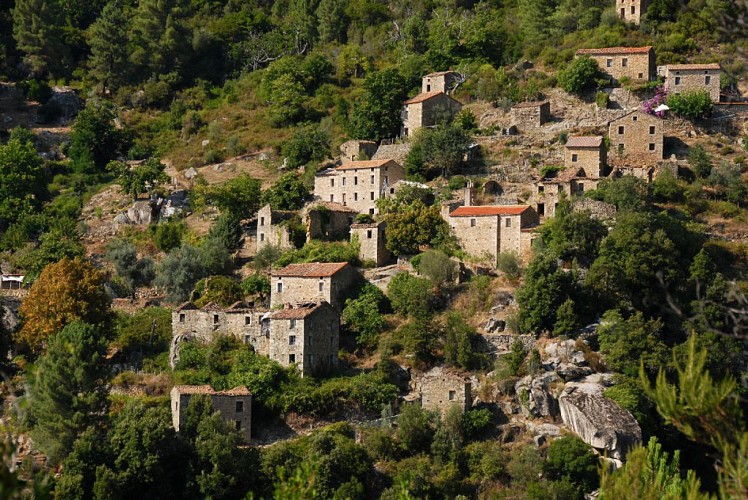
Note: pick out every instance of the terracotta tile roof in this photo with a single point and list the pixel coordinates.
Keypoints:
(297, 311)
(489, 210)
(685, 67)
(364, 164)
(615, 50)
(206, 389)
(590, 141)
(532, 104)
(211, 306)
(310, 270)
(425, 96)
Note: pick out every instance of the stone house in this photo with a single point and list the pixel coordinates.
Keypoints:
(426, 110)
(572, 181)
(313, 282)
(328, 221)
(531, 114)
(588, 153)
(306, 335)
(358, 184)
(439, 389)
(274, 228)
(372, 242)
(631, 11)
(442, 81)
(241, 320)
(356, 150)
(235, 406)
(690, 77)
(493, 229)
(637, 134)
(635, 63)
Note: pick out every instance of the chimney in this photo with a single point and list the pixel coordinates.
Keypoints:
(469, 194)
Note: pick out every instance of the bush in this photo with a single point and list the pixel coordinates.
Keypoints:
(168, 236)
(602, 99)
(222, 290)
(579, 75)
(508, 263)
(363, 316)
(411, 296)
(572, 459)
(438, 267)
(692, 105)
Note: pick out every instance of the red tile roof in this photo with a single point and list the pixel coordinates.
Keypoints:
(472, 211)
(590, 141)
(685, 67)
(532, 104)
(298, 311)
(615, 50)
(425, 96)
(310, 270)
(364, 164)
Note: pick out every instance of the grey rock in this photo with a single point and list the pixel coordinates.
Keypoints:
(537, 393)
(143, 212)
(65, 101)
(569, 371)
(577, 357)
(539, 440)
(190, 173)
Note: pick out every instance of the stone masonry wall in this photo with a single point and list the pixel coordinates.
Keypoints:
(372, 241)
(687, 80)
(592, 160)
(330, 289)
(310, 343)
(225, 404)
(631, 11)
(440, 389)
(477, 235)
(531, 114)
(639, 133)
(357, 188)
(636, 67)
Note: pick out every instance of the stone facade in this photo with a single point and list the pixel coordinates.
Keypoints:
(531, 114)
(426, 110)
(306, 335)
(271, 229)
(372, 242)
(443, 81)
(359, 184)
(588, 153)
(234, 405)
(356, 150)
(439, 389)
(329, 282)
(691, 77)
(635, 63)
(491, 230)
(637, 134)
(241, 320)
(631, 11)
(596, 209)
(328, 221)
(570, 182)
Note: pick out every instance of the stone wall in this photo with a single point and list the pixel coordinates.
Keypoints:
(502, 342)
(324, 223)
(680, 78)
(631, 11)
(270, 231)
(592, 160)
(428, 113)
(355, 150)
(634, 66)
(478, 236)
(509, 234)
(440, 389)
(597, 209)
(531, 114)
(205, 323)
(372, 242)
(332, 289)
(357, 188)
(639, 133)
(439, 82)
(236, 409)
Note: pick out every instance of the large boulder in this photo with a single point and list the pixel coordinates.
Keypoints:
(536, 395)
(144, 212)
(599, 421)
(65, 101)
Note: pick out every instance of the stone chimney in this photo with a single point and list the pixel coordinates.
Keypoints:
(469, 194)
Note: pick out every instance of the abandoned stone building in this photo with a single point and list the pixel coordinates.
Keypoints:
(439, 389)
(313, 282)
(636, 136)
(635, 63)
(357, 150)
(631, 11)
(358, 184)
(572, 181)
(531, 114)
(487, 231)
(235, 406)
(681, 78)
(587, 152)
(241, 320)
(426, 110)
(306, 335)
(442, 81)
(328, 221)
(276, 227)
(372, 242)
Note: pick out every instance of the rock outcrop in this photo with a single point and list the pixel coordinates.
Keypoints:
(536, 395)
(599, 421)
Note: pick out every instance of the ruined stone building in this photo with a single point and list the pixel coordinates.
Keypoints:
(442, 81)
(317, 281)
(235, 406)
(372, 242)
(306, 335)
(274, 227)
(572, 181)
(202, 323)
(427, 110)
(493, 229)
(439, 389)
(328, 221)
(587, 152)
(357, 150)
(681, 78)
(635, 63)
(531, 114)
(358, 184)
(636, 137)
(631, 11)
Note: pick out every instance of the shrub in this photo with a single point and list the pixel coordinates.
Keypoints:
(602, 99)
(691, 105)
(579, 75)
(410, 295)
(438, 267)
(571, 459)
(168, 236)
(508, 263)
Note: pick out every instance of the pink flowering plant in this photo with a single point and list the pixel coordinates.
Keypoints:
(652, 104)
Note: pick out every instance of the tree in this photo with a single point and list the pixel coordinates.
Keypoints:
(139, 179)
(239, 196)
(571, 458)
(39, 36)
(22, 186)
(410, 295)
(410, 224)
(629, 343)
(109, 53)
(135, 272)
(458, 342)
(437, 266)
(222, 290)
(159, 37)
(700, 161)
(67, 291)
(307, 144)
(376, 114)
(332, 20)
(414, 431)
(692, 105)
(444, 147)
(228, 230)
(184, 266)
(60, 241)
(627, 193)
(579, 75)
(727, 180)
(70, 391)
(573, 235)
(363, 316)
(567, 322)
(94, 140)
(288, 193)
(546, 287)
(666, 188)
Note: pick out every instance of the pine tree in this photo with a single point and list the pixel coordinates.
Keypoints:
(69, 393)
(38, 35)
(109, 53)
(567, 321)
